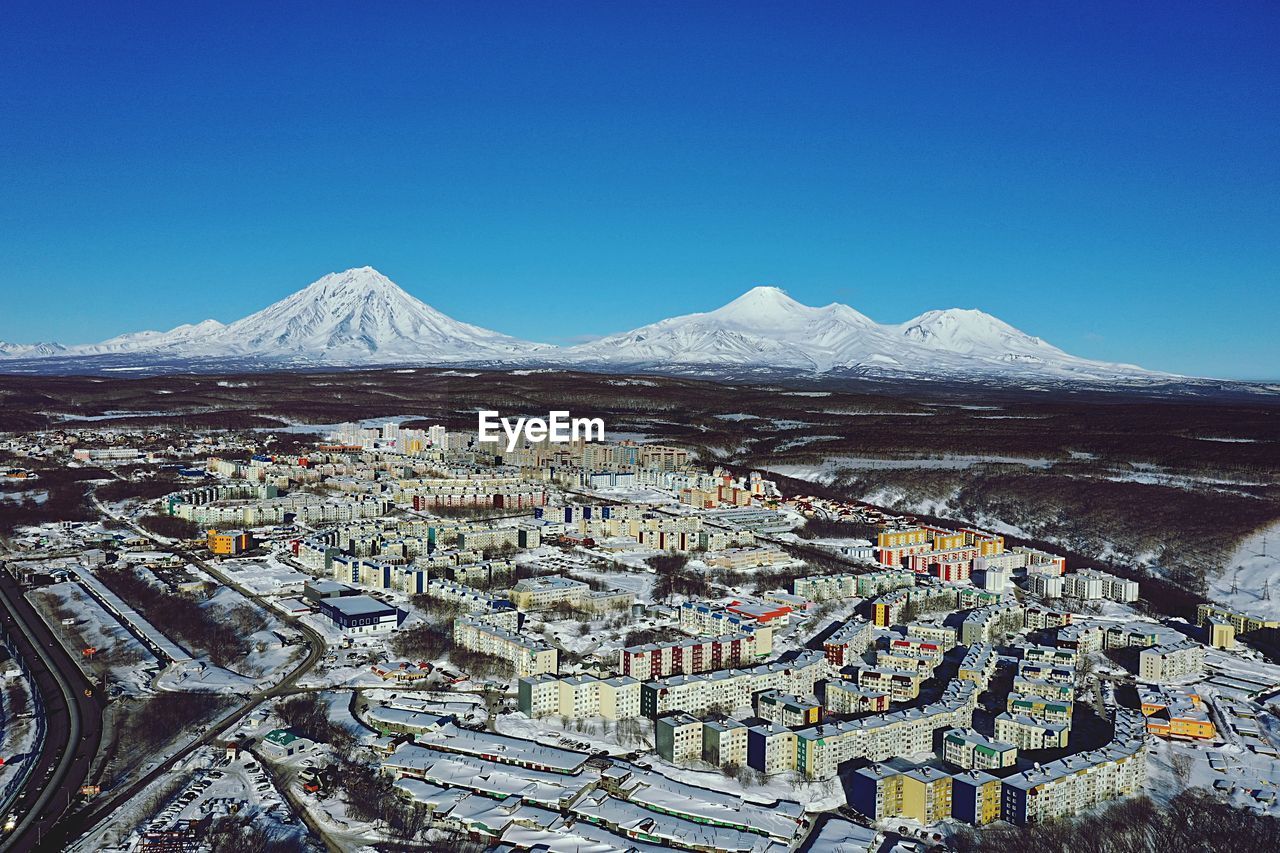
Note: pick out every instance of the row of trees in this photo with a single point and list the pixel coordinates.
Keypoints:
(220, 634)
(1194, 820)
(308, 715)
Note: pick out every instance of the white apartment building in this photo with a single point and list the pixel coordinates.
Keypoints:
(1047, 586)
(579, 696)
(902, 685)
(678, 738)
(968, 749)
(944, 636)
(1091, 584)
(988, 623)
(1171, 662)
(527, 655)
(731, 688)
(724, 743)
(542, 592)
(1026, 732)
(845, 697)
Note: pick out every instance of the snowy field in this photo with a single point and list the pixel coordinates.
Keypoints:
(1251, 581)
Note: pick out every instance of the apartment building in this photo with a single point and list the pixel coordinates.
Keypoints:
(845, 697)
(1059, 691)
(901, 685)
(906, 660)
(979, 664)
(498, 611)
(1219, 633)
(944, 636)
(1042, 618)
(1091, 584)
(702, 618)
(820, 750)
(882, 791)
(731, 688)
(1028, 733)
(1049, 655)
(1045, 672)
(1242, 621)
(1047, 585)
(1041, 708)
(975, 797)
(990, 623)
(1082, 638)
(1171, 662)
(724, 743)
(527, 655)
(1078, 782)
(1138, 635)
(579, 696)
(952, 564)
(846, 645)
(771, 748)
(678, 738)
(786, 709)
(894, 546)
(699, 654)
(968, 749)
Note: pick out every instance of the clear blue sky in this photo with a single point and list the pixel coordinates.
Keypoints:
(1106, 176)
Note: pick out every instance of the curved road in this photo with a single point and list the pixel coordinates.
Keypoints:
(73, 726)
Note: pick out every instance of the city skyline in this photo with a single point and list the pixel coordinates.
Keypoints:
(1101, 179)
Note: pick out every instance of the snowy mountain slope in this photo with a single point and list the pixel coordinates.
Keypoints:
(36, 350)
(764, 326)
(354, 317)
(767, 328)
(149, 340)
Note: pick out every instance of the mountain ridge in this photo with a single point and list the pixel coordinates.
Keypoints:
(360, 317)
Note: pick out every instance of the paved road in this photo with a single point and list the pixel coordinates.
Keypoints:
(73, 726)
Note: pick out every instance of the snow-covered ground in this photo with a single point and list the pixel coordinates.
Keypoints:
(130, 665)
(1251, 580)
(833, 467)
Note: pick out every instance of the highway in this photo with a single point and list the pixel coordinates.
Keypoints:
(73, 726)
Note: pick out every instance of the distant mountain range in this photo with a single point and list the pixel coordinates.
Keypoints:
(362, 318)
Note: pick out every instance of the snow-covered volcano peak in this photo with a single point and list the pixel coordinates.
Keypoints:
(357, 315)
(360, 281)
(968, 330)
(760, 304)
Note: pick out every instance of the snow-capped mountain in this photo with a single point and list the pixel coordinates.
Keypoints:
(349, 318)
(762, 327)
(360, 317)
(36, 350)
(767, 328)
